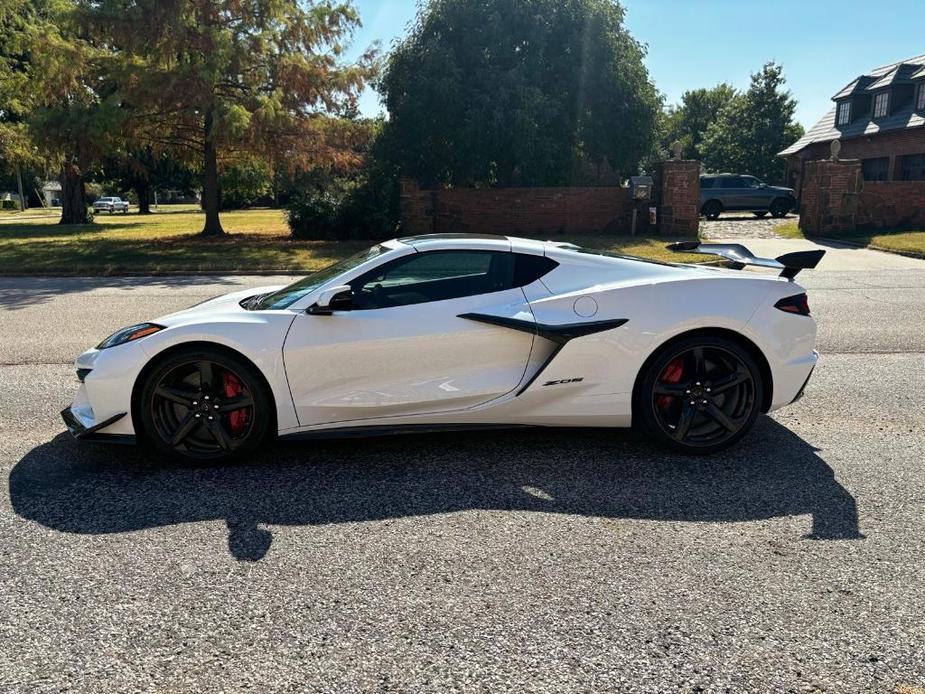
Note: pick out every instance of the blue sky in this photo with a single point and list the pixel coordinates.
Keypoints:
(822, 44)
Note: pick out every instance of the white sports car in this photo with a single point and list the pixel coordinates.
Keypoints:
(462, 331)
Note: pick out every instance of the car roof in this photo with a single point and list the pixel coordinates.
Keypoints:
(486, 242)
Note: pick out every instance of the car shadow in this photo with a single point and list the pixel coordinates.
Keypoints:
(91, 488)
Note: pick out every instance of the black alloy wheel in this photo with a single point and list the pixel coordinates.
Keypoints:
(712, 210)
(701, 395)
(204, 405)
(780, 208)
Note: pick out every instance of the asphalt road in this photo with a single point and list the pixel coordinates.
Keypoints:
(531, 560)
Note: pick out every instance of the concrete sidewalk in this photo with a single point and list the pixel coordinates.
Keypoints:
(838, 257)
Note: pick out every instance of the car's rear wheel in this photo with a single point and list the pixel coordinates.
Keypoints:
(780, 208)
(205, 404)
(700, 395)
(712, 210)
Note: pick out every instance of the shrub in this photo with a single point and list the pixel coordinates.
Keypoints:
(10, 204)
(360, 205)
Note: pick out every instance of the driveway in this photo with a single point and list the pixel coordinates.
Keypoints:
(529, 560)
(743, 225)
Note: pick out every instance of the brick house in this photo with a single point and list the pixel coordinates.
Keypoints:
(879, 118)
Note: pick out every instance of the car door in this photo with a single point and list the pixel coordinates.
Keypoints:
(403, 349)
(733, 193)
(755, 194)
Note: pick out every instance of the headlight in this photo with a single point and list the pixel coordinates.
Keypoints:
(133, 332)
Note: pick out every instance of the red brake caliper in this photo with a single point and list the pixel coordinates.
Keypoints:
(672, 374)
(232, 387)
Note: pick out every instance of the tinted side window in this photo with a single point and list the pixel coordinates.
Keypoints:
(706, 182)
(750, 182)
(529, 268)
(433, 276)
(731, 182)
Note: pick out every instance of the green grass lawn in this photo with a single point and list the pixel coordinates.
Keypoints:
(898, 241)
(168, 241)
(790, 230)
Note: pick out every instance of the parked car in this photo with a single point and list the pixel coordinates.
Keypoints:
(110, 205)
(727, 192)
(452, 331)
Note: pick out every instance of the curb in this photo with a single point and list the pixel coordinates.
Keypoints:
(853, 244)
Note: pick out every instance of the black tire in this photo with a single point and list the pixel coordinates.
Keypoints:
(699, 395)
(760, 213)
(780, 208)
(186, 406)
(712, 209)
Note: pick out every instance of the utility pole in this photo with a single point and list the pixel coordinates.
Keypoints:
(23, 203)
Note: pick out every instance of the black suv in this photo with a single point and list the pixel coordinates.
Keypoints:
(727, 192)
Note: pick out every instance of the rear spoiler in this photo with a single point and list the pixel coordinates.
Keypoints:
(789, 264)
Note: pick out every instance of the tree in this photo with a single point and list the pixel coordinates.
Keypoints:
(17, 150)
(499, 92)
(63, 94)
(214, 81)
(688, 122)
(753, 128)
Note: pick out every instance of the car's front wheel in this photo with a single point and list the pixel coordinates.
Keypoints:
(204, 404)
(700, 395)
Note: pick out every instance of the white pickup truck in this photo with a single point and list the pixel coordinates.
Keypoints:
(110, 205)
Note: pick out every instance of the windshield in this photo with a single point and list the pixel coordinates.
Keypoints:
(287, 296)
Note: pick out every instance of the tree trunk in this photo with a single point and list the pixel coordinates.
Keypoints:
(23, 203)
(210, 192)
(73, 196)
(143, 191)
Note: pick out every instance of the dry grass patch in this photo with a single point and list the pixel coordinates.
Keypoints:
(912, 242)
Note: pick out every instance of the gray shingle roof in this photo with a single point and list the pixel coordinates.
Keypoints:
(900, 72)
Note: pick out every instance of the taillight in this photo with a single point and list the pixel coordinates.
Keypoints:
(798, 304)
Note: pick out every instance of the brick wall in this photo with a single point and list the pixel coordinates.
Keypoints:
(515, 210)
(677, 186)
(830, 196)
(891, 205)
(551, 210)
(836, 199)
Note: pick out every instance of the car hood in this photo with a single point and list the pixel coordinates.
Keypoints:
(226, 303)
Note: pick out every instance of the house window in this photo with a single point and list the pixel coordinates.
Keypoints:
(881, 104)
(920, 98)
(876, 169)
(913, 167)
(844, 113)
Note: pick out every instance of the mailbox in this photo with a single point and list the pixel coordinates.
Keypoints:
(641, 187)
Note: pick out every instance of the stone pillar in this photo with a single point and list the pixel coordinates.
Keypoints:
(829, 202)
(677, 197)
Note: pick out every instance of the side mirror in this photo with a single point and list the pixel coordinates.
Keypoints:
(333, 299)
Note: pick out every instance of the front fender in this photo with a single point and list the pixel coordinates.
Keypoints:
(258, 336)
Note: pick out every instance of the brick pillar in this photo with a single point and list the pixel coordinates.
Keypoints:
(417, 209)
(677, 196)
(830, 192)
